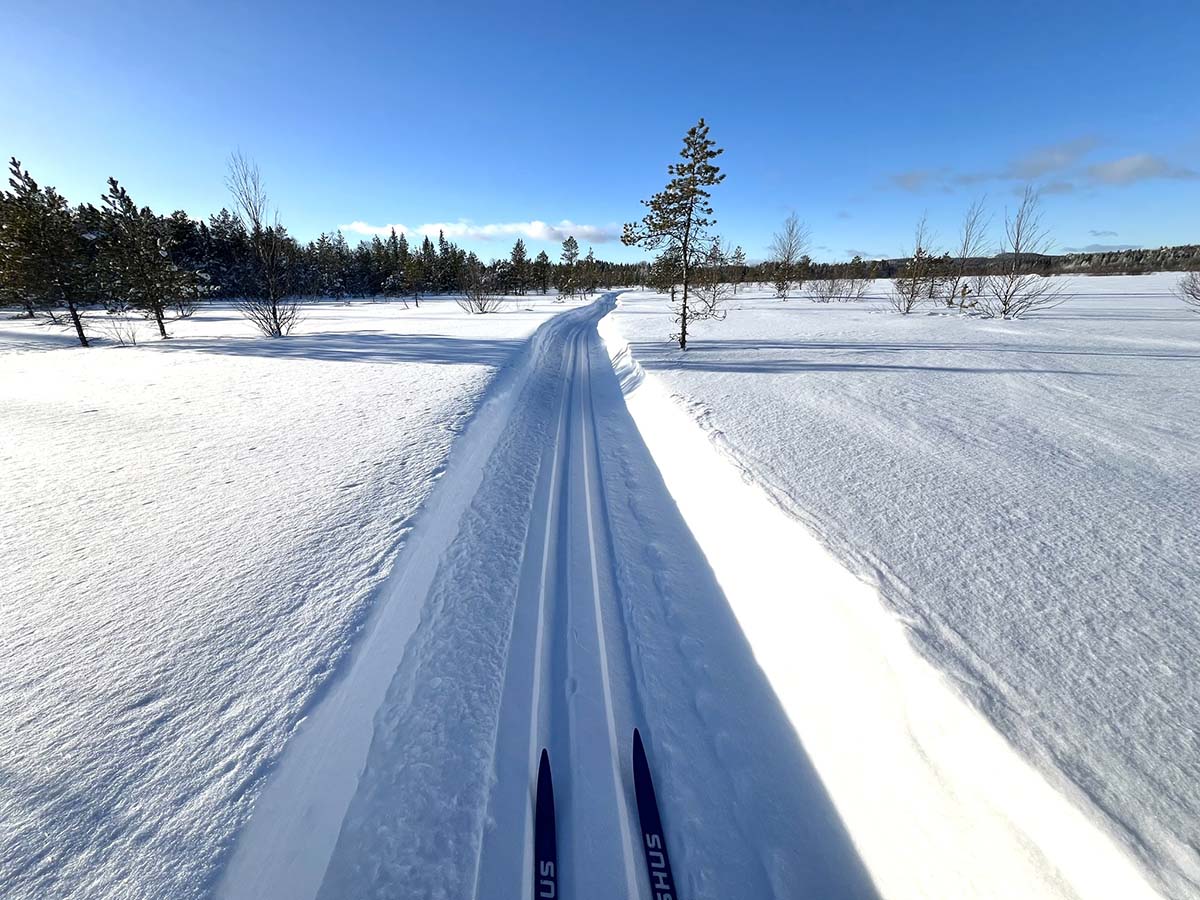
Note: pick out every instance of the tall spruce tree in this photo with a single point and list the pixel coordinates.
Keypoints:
(678, 220)
(519, 259)
(568, 259)
(541, 272)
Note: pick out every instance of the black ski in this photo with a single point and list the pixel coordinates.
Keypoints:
(545, 840)
(654, 842)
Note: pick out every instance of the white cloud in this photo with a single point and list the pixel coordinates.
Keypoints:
(467, 230)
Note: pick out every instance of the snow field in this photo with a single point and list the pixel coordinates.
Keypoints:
(192, 533)
(1021, 499)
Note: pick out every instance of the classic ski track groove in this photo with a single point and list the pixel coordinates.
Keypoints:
(569, 703)
(587, 447)
(539, 640)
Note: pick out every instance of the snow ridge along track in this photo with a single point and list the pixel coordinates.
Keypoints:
(570, 604)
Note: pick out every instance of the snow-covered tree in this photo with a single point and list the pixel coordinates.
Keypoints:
(678, 218)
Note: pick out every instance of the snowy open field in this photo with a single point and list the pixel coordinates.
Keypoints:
(268, 637)
(1024, 496)
(191, 532)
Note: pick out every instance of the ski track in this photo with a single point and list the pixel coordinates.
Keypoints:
(572, 605)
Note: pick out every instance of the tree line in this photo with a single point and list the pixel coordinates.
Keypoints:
(57, 260)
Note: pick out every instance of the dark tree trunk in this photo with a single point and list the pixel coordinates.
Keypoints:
(158, 317)
(83, 341)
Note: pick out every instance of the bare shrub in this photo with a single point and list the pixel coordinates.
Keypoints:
(826, 290)
(786, 250)
(120, 325)
(972, 237)
(1188, 290)
(481, 292)
(1017, 290)
(916, 280)
(711, 284)
(270, 302)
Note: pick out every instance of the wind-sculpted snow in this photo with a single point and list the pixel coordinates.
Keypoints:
(1026, 497)
(191, 535)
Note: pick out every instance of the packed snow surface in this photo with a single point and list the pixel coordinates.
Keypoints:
(191, 534)
(1024, 496)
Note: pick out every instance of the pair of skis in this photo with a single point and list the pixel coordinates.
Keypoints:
(654, 842)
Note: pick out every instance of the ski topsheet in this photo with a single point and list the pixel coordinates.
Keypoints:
(545, 841)
(654, 842)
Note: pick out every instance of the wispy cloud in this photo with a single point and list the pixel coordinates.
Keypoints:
(1139, 167)
(1101, 248)
(865, 254)
(467, 230)
(1101, 233)
(1054, 187)
(912, 181)
(1054, 168)
(1050, 158)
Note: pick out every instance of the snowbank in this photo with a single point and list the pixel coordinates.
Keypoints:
(1025, 499)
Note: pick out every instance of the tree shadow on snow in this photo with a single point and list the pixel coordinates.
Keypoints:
(361, 347)
(775, 356)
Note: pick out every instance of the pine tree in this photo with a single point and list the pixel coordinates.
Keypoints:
(589, 275)
(738, 261)
(520, 267)
(678, 219)
(136, 257)
(41, 248)
(567, 285)
(541, 272)
(429, 266)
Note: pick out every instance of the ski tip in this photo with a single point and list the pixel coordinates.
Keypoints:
(544, 763)
(637, 740)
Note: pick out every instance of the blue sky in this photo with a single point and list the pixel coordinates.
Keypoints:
(857, 115)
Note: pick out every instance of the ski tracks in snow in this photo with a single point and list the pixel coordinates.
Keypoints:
(570, 605)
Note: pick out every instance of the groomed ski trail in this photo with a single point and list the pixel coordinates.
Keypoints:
(571, 605)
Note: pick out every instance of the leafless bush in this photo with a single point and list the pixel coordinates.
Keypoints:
(185, 306)
(1188, 290)
(271, 303)
(916, 281)
(847, 288)
(972, 237)
(1018, 291)
(826, 290)
(481, 293)
(786, 250)
(119, 324)
(711, 286)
